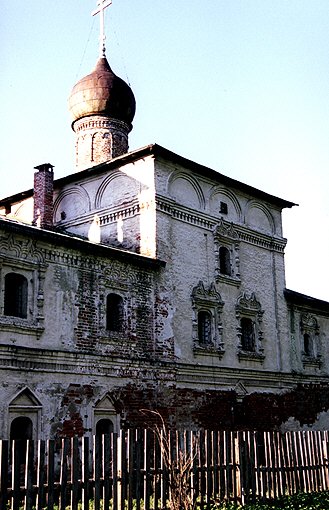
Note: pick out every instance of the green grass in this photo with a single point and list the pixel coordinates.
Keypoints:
(309, 501)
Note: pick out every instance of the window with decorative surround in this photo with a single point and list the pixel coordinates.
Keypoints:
(21, 296)
(249, 315)
(207, 328)
(310, 334)
(227, 244)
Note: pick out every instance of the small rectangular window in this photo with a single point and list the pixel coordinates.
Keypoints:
(15, 300)
(223, 208)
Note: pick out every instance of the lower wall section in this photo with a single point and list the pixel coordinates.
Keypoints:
(74, 409)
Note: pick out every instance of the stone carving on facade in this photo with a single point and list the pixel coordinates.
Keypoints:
(25, 259)
(228, 231)
(227, 245)
(207, 305)
(310, 336)
(249, 315)
(21, 249)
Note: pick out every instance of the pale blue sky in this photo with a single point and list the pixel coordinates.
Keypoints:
(239, 85)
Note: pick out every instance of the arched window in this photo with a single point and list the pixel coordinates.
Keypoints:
(114, 312)
(204, 327)
(224, 261)
(104, 426)
(15, 299)
(20, 432)
(247, 334)
(308, 347)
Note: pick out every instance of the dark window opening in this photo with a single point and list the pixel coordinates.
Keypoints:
(20, 432)
(114, 312)
(224, 261)
(223, 208)
(104, 426)
(15, 301)
(308, 345)
(204, 327)
(247, 335)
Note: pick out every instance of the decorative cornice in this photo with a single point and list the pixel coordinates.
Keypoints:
(56, 247)
(184, 213)
(127, 212)
(230, 230)
(99, 122)
(24, 249)
(262, 240)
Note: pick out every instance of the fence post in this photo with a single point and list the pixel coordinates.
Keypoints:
(63, 474)
(16, 474)
(29, 475)
(4, 452)
(120, 438)
(85, 473)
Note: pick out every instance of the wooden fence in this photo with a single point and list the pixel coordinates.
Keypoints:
(143, 470)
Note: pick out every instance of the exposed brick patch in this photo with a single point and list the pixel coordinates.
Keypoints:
(220, 410)
(87, 329)
(43, 206)
(73, 426)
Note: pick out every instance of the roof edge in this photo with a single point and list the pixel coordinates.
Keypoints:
(74, 242)
(157, 150)
(302, 299)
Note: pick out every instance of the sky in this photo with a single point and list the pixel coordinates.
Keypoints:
(241, 86)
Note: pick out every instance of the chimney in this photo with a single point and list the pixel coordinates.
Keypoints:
(43, 196)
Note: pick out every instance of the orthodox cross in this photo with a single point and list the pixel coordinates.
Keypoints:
(101, 6)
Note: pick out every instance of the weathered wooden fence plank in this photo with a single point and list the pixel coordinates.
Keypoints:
(50, 462)
(147, 462)
(64, 474)
(28, 482)
(139, 459)
(115, 469)
(4, 474)
(75, 464)
(107, 465)
(85, 475)
(16, 467)
(143, 469)
(40, 487)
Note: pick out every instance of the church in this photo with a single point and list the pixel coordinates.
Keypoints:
(147, 281)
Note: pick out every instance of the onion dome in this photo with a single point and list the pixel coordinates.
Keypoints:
(102, 93)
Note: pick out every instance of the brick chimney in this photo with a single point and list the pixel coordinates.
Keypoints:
(43, 196)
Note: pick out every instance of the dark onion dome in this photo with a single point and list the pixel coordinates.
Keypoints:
(102, 93)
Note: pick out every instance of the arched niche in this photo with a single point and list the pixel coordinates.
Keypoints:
(186, 191)
(71, 204)
(104, 413)
(224, 203)
(258, 217)
(116, 189)
(25, 407)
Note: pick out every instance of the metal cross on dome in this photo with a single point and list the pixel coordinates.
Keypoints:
(101, 6)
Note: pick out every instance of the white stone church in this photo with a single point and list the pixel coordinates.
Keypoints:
(144, 280)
